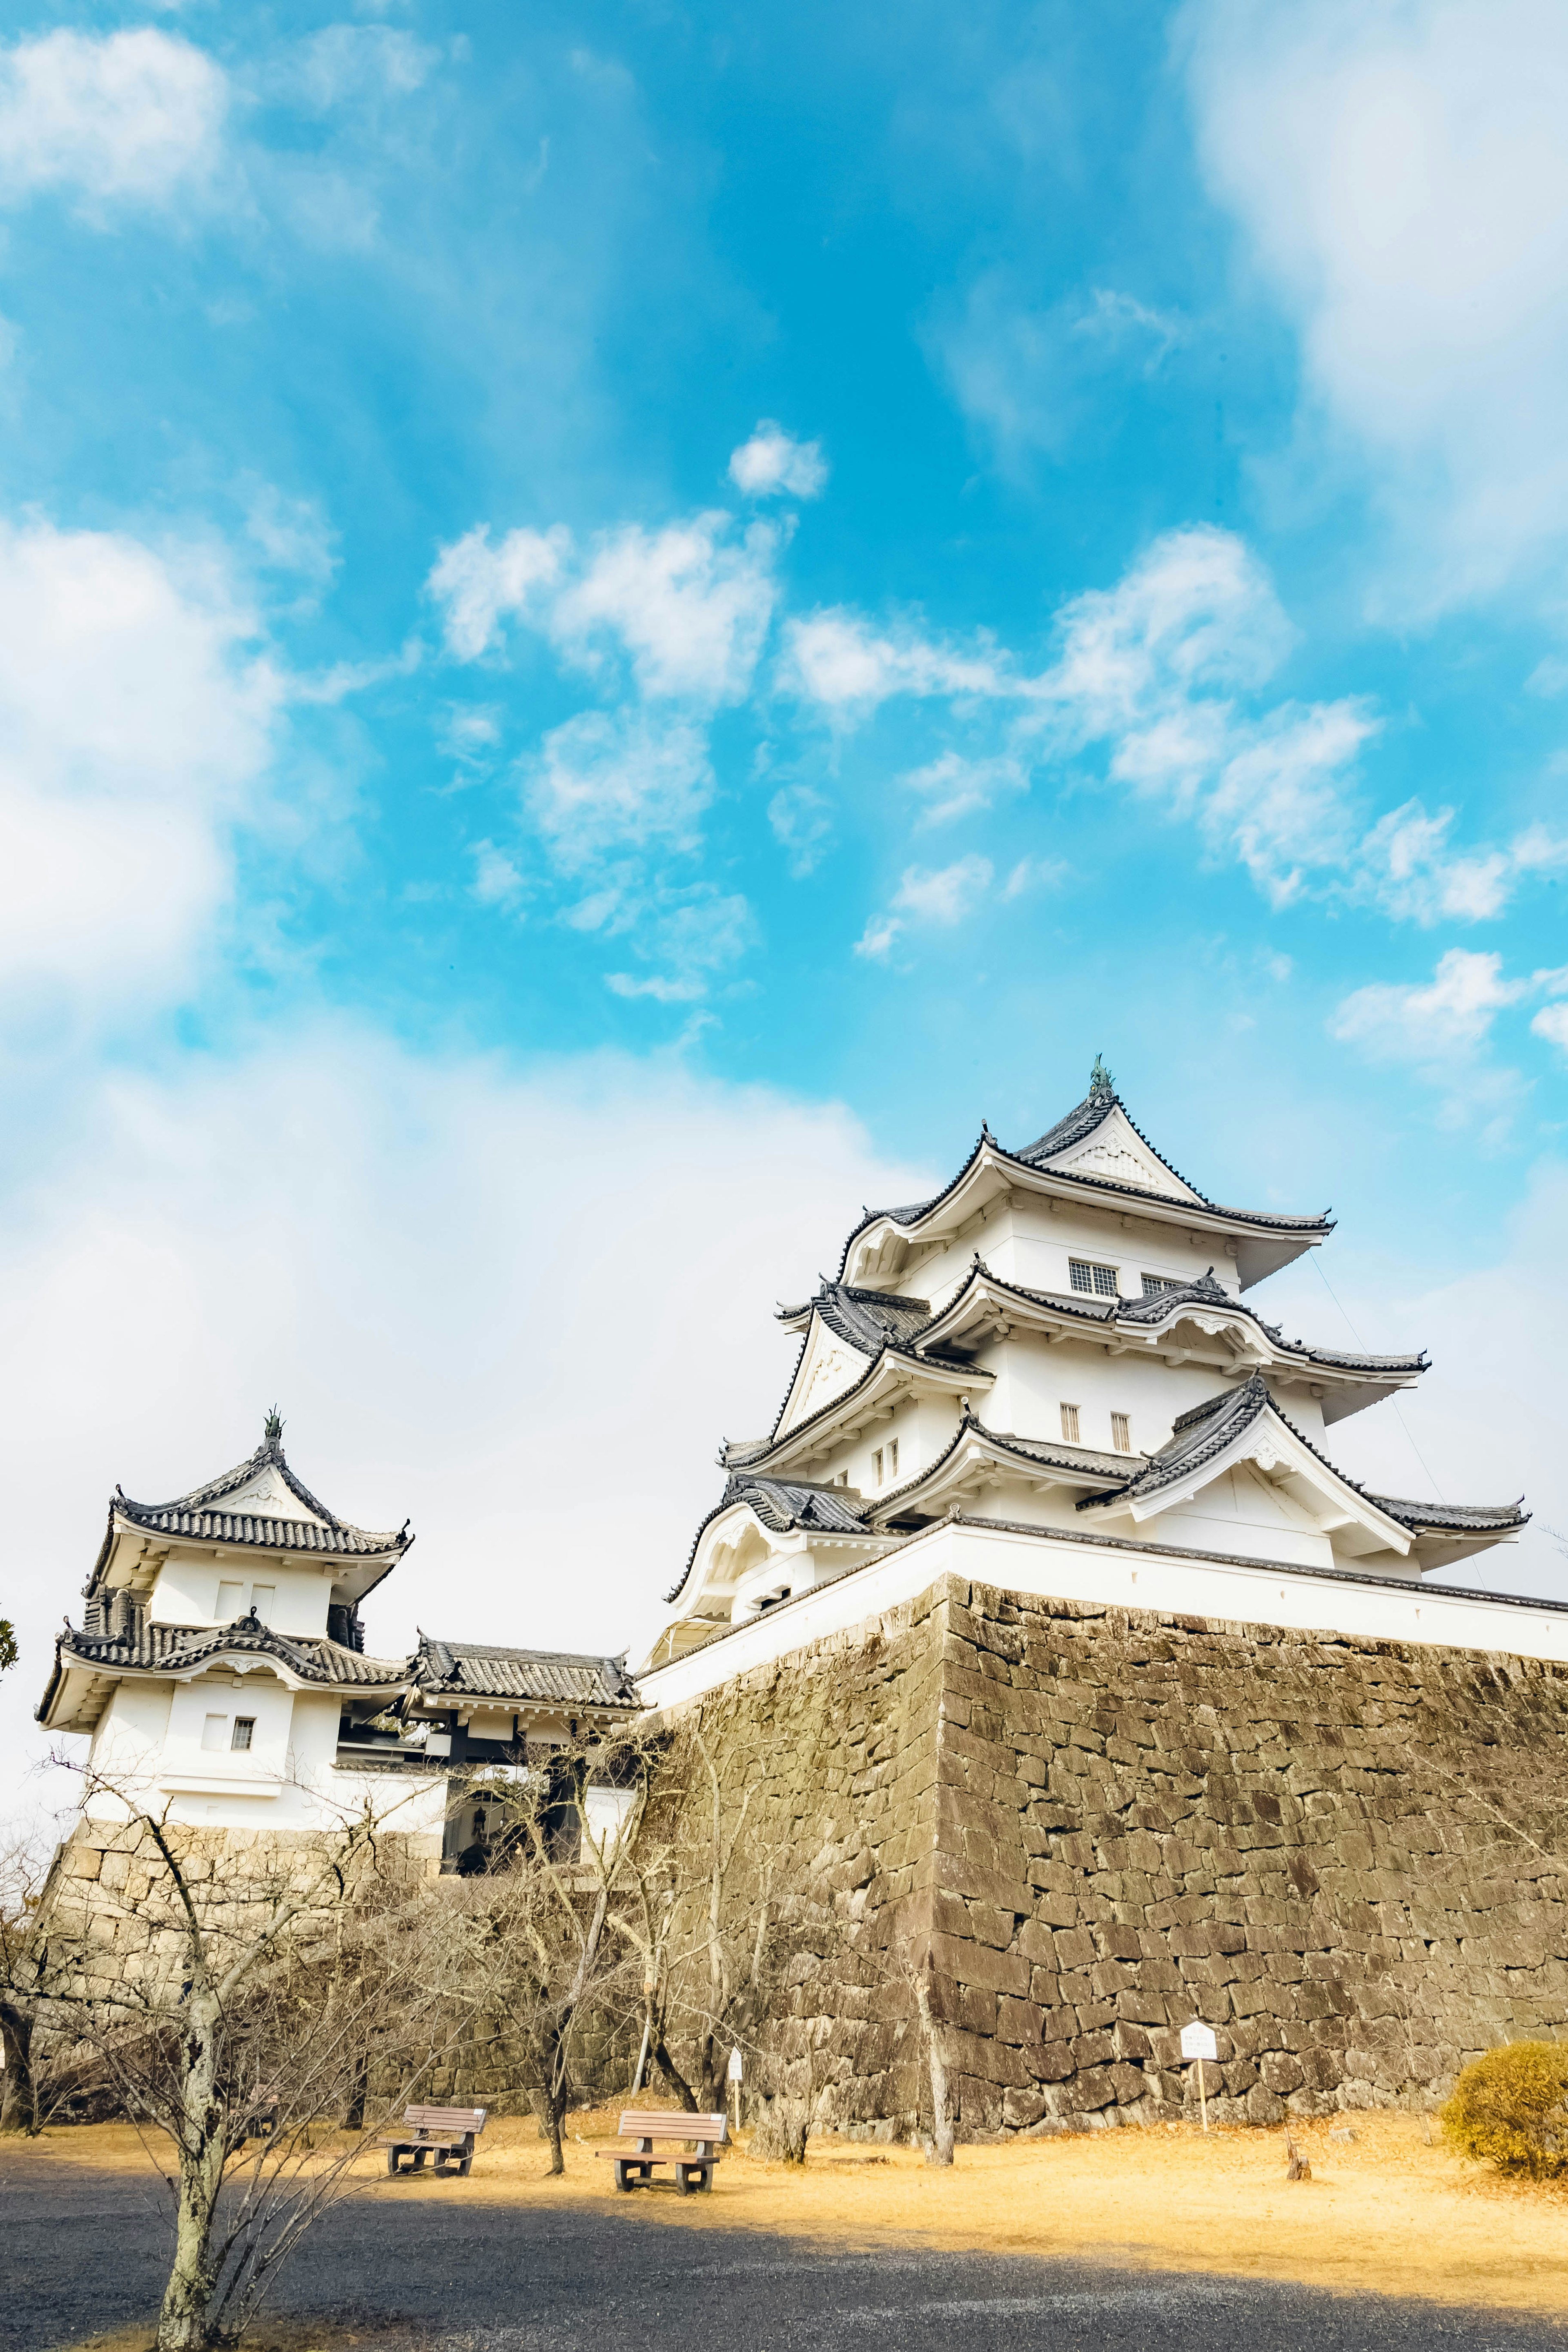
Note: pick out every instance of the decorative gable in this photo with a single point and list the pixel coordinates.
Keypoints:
(270, 1495)
(1116, 1153)
(827, 1368)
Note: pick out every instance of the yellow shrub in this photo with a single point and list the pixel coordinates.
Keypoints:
(1511, 2109)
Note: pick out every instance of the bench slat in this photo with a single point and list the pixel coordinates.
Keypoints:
(671, 2122)
(451, 2119)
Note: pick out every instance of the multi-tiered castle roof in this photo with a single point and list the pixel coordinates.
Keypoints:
(1060, 1343)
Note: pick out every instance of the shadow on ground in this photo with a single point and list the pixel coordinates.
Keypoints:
(83, 2252)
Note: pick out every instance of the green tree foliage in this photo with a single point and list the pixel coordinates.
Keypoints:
(8, 1643)
(1511, 2109)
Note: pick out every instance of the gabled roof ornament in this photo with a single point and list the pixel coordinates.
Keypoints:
(1101, 1085)
(272, 1430)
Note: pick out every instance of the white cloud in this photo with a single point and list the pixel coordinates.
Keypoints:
(1399, 173)
(612, 781)
(1427, 1023)
(498, 881)
(466, 1234)
(954, 785)
(1035, 874)
(770, 463)
(1033, 381)
(350, 62)
(290, 535)
(943, 898)
(838, 660)
(693, 935)
(1151, 667)
(128, 118)
(1195, 610)
(801, 820)
(1487, 1418)
(136, 722)
(687, 606)
(690, 606)
(1552, 1022)
(480, 585)
(1116, 318)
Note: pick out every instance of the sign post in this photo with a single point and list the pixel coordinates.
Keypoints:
(1198, 2042)
(734, 2077)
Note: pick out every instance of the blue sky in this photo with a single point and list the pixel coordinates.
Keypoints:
(724, 587)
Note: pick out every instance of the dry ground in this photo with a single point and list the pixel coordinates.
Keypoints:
(1387, 2213)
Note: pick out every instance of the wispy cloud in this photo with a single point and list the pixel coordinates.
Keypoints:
(1392, 170)
(943, 898)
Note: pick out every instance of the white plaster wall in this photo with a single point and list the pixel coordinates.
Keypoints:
(1037, 1246)
(186, 1590)
(1025, 1242)
(1240, 1511)
(129, 1740)
(1095, 1573)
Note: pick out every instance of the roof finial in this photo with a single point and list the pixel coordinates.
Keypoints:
(1101, 1081)
(272, 1427)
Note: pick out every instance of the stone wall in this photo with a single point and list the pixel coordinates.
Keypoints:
(1342, 1855)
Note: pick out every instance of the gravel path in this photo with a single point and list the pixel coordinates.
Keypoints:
(83, 2250)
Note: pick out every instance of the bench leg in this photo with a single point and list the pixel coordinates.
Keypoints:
(391, 2161)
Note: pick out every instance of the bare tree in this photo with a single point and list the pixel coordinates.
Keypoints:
(545, 1911)
(248, 1985)
(24, 1972)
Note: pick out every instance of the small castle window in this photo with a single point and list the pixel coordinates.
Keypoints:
(1156, 1284)
(230, 1602)
(1098, 1281)
(877, 1465)
(244, 1730)
(1122, 1433)
(892, 1457)
(1069, 1424)
(213, 1731)
(262, 1596)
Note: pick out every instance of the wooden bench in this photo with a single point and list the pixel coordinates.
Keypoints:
(444, 2133)
(633, 2168)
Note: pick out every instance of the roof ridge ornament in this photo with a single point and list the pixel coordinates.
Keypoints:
(273, 1432)
(1101, 1085)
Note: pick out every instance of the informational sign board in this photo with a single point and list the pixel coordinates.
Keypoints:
(736, 2064)
(1198, 2041)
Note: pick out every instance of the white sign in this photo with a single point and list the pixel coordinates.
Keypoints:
(1198, 2041)
(735, 2066)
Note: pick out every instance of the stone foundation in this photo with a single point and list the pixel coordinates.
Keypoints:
(1349, 1856)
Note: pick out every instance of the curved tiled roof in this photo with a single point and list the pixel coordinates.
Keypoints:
(1078, 1124)
(1086, 1458)
(781, 1503)
(199, 1517)
(482, 1670)
(171, 1649)
(244, 1527)
(1204, 1432)
(1148, 1312)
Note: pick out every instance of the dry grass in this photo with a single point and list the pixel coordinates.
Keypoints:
(1385, 2213)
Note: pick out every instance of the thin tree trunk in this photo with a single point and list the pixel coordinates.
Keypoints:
(672, 2073)
(941, 2113)
(183, 2322)
(20, 2105)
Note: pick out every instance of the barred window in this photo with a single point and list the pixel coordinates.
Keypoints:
(1099, 1281)
(1156, 1284)
(1069, 1424)
(1122, 1433)
(244, 1730)
(892, 1457)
